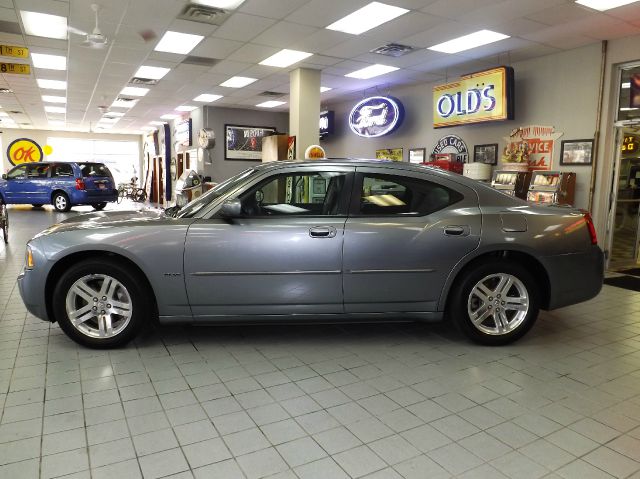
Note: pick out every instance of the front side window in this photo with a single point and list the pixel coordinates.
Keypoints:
(397, 195)
(298, 193)
(19, 172)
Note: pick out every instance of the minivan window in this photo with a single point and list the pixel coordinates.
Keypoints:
(93, 169)
(18, 172)
(37, 171)
(61, 171)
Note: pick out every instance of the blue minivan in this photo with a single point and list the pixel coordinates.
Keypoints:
(61, 184)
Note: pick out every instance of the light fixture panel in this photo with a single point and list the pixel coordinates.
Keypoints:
(152, 73)
(367, 17)
(271, 104)
(44, 25)
(238, 82)
(176, 42)
(603, 5)
(285, 58)
(134, 91)
(371, 71)
(49, 62)
(207, 98)
(467, 42)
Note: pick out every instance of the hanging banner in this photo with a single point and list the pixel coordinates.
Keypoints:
(376, 116)
(532, 145)
(475, 98)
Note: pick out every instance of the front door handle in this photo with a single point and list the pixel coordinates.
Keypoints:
(322, 232)
(456, 230)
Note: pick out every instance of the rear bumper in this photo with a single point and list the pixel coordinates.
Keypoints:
(574, 278)
(88, 197)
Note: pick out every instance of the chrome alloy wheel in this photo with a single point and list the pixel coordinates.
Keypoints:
(98, 306)
(61, 202)
(498, 304)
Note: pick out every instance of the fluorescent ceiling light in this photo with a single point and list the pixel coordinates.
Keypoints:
(113, 113)
(367, 17)
(371, 71)
(238, 82)
(51, 62)
(170, 116)
(152, 73)
(325, 88)
(271, 104)
(603, 5)
(54, 99)
(52, 84)
(186, 108)
(207, 98)
(156, 123)
(134, 91)
(176, 42)
(284, 58)
(223, 4)
(54, 109)
(124, 103)
(467, 42)
(44, 25)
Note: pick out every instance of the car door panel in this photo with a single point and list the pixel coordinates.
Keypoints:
(400, 263)
(15, 187)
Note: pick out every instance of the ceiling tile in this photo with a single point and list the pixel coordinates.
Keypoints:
(251, 53)
(283, 34)
(216, 48)
(243, 27)
(321, 13)
(277, 10)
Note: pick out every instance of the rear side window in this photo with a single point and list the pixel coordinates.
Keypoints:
(94, 169)
(61, 171)
(37, 171)
(399, 195)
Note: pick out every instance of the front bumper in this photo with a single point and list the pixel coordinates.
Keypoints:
(32, 294)
(574, 278)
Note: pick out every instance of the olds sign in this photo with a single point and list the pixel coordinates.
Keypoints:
(376, 116)
(475, 98)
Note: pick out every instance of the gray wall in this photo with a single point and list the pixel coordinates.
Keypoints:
(214, 117)
(559, 90)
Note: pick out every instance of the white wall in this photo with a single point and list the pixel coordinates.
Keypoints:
(559, 90)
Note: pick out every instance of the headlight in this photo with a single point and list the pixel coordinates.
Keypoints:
(29, 258)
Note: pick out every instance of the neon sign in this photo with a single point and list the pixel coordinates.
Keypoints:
(376, 116)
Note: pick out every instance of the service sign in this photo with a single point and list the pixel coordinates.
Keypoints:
(475, 98)
(14, 51)
(15, 68)
(376, 116)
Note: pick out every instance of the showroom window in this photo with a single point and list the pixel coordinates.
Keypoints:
(121, 157)
(309, 194)
(396, 195)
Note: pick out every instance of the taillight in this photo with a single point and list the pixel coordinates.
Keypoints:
(80, 184)
(591, 227)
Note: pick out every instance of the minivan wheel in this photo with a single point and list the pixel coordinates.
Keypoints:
(100, 304)
(61, 202)
(495, 303)
(99, 206)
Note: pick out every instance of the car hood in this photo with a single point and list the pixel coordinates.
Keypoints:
(104, 219)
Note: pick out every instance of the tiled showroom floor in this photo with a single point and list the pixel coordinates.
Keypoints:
(328, 402)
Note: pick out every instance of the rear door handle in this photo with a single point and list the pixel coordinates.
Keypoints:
(322, 232)
(456, 230)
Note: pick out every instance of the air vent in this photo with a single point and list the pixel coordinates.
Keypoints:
(6, 90)
(10, 27)
(272, 94)
(201, 61)
(143, 81)
(203, 14)
(124, 99)
(393, 50)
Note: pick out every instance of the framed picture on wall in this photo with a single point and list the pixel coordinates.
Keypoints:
(243, 142)
(417, 155)
(487, 154)
(576, 152)
(394, 154)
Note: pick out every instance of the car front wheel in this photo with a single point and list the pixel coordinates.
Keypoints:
(61, 202)
(101, 304)
(99, 206)
(496, 302)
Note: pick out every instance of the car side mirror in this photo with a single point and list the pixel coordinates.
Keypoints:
(231, 208)
(4, 176)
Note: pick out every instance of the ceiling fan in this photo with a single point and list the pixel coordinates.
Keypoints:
(95, 39)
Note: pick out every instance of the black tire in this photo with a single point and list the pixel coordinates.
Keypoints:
(511, 324)
(99, 206)
(60, 202)
(139, 302)
(37, 205)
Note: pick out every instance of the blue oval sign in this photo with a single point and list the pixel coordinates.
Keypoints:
(376, 116)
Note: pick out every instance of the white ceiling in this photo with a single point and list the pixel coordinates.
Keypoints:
(260, 28)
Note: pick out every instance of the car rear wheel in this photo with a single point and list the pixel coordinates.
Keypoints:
(495, 303)
(101, 304)
(99, 206)
(61, 202)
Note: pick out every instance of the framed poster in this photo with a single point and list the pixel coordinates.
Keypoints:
(576, 152)
(417, 155)
(243, 142)
(487, 154)
(394, 154)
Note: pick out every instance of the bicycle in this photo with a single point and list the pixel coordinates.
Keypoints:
(132, 192)
(4, 221)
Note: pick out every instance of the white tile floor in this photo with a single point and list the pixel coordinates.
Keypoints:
(327, 402)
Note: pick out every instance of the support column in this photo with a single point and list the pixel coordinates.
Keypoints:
(304, 112)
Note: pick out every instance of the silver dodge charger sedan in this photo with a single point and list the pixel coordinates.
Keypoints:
(329, 240)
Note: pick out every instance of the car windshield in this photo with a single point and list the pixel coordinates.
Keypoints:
(190, 209)
(94, 169)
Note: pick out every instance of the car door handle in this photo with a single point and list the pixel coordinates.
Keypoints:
(456, 230)
(322, 232)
